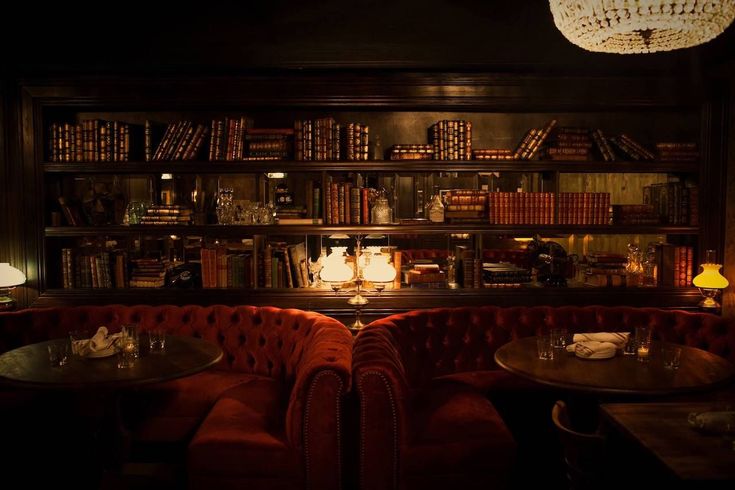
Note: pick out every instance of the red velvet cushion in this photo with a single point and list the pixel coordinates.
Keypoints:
(243, 437)
(457, 431)
(173, 411)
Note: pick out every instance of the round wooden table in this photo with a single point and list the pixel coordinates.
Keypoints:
(621, 375)
(29, 366)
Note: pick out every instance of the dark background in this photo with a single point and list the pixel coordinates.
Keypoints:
(221, 37)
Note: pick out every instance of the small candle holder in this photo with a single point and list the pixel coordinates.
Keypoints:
(643, 343)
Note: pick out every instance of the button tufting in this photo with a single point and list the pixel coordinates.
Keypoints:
(257, 320)
(242, 339)
(261, 341)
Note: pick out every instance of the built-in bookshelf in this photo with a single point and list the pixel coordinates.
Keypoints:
(512, 161)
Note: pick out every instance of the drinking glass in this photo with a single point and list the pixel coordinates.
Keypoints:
(157, 340)
(671, 356)
(131, 332)
(559, 338)
(78, 340)
(125, 353)
(545, 347)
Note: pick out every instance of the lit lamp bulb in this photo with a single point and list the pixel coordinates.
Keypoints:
(10, 277)
(710, 281)
(336, 271)
(379, 271)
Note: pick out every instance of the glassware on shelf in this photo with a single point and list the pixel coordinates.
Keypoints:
(648, 265)
(225, 207)
(435, 208)
(382, 213)
(134, 211)
(634, 266)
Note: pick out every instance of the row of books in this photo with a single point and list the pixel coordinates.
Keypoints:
(90, 269)
(90, 140)
(451, 139)
(323, 139)
(283, 266)
(674, 202)
(521, 208)
(674, 265)
(182, 140)
(221, 269)
(584, 208)
(347, 204)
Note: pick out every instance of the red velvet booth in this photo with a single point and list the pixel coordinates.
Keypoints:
(268, 416)
(423, 380)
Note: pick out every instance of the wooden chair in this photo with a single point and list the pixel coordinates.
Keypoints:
(584, 453)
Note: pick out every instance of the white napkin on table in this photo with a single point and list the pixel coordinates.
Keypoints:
(100, 341)
(593, 349)
(617, 338)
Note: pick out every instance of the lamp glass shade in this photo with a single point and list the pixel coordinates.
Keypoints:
(379, 269)
(10, 276)
(710, 277)
(335, 267)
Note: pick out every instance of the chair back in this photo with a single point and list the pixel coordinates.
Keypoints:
(584, 453)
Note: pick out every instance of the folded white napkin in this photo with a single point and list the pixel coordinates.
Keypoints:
(100, 341)
(593, 349)
(617, 338)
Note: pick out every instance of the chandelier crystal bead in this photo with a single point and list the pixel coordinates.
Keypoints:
(641, 26)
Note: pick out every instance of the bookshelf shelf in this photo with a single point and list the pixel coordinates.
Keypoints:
(201, 167)
(384, 302)
(234, 231)
(401, 108)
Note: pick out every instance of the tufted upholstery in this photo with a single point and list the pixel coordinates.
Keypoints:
(296, 363)
(403, 360)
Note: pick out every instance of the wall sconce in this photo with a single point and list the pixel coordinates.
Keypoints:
(710, 281)
(10, 277)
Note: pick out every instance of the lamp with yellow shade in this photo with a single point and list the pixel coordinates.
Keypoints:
(10, 277)
(710, 282)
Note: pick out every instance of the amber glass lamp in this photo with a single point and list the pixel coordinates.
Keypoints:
(10, 277)
(710, 282)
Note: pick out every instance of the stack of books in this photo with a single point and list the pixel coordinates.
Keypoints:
(677, 151)
(268, 144)
(412, 152)
(503, 274)
(425, 274)
(166, 214)
(493, 154)
(569, 144)
(606, 269)
(466, 205)
(148, 273)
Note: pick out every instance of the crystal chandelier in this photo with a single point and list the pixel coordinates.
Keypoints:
(641, 26)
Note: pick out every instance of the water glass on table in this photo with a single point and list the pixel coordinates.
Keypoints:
(58, 352)
(157, 340)
(559, 338)
(545, 346)
(125, 353)
(131, 331)
(671, 355)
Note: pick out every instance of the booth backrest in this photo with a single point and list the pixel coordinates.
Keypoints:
(444, 341)
(260, 340)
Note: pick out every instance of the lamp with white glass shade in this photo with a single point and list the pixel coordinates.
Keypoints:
(10, 277)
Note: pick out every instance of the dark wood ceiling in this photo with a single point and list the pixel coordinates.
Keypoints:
(214, 37)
